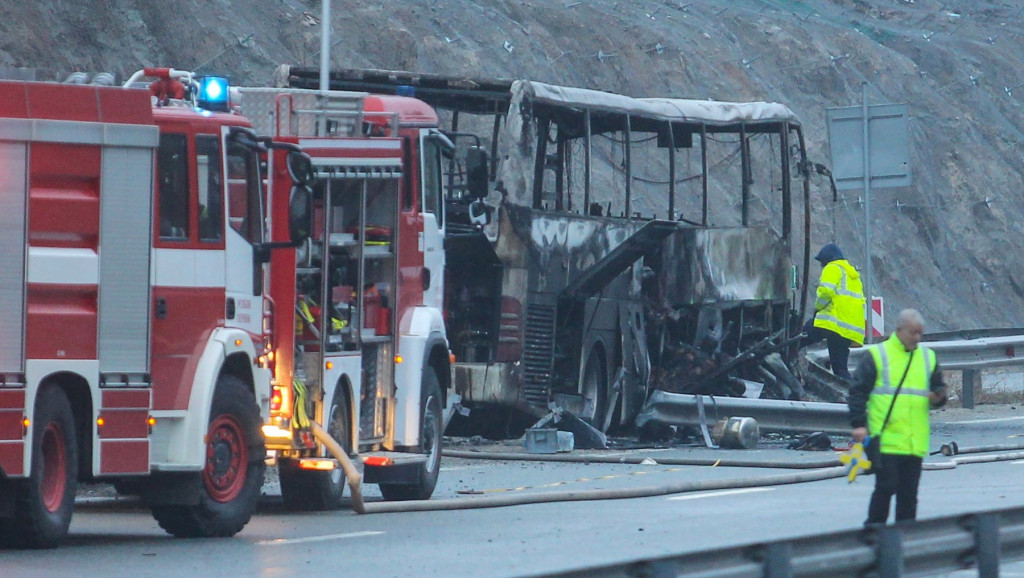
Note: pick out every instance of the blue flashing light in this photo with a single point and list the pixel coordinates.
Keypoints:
(405, 90)
(213, 93)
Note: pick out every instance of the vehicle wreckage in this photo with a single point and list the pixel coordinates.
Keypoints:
(626, 245)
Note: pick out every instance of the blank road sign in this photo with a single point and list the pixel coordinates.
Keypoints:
(888, 140)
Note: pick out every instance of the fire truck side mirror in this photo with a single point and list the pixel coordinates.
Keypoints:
(300, 168)
(476, 172)
(300, 214)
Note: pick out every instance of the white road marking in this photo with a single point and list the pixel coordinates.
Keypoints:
(1018, 462)
(289, 541)
(991, 420)
(456, 468)
(720, 493)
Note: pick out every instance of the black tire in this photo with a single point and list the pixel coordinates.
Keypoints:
(231, 481)
(44, 501)
(595, 389)
(308, 490)
(431, 422)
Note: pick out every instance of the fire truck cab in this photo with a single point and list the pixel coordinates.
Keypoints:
(134, 315)
(366, 353)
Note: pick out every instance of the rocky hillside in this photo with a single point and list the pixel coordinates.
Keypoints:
(950, 244)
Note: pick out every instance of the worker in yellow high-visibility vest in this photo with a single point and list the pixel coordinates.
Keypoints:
(889, 401)
(839, 309)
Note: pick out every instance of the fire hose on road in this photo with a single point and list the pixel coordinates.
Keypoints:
(355, 479)
(813, 471)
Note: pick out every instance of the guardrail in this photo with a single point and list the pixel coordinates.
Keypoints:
(967, 355)
(770, 414)
(926, 547)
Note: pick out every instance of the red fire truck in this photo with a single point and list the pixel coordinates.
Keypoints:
(366, 352)
(135, 321)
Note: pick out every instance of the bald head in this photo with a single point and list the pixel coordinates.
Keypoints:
(910, 328)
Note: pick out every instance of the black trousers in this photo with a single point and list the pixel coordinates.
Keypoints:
(899, 476)
(838, 347)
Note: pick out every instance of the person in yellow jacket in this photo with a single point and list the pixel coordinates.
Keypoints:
(839, 309)
(895, 386)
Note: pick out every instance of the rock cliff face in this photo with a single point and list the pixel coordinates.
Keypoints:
(949, 244)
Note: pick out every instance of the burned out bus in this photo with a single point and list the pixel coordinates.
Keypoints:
(625, 245)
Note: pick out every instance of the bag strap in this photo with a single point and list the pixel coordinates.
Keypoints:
(895, 395)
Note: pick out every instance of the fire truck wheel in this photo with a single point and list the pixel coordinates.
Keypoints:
(44, 501)
(431, 422)
(311, 490)
(235, 462)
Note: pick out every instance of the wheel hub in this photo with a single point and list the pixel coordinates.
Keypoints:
(226, 459)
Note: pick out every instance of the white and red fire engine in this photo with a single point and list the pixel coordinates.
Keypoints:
(132, 305)
(366, 352)
(149, 275)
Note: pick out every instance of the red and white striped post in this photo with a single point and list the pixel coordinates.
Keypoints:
(877, 319)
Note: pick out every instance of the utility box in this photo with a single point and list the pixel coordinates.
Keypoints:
(548, 441)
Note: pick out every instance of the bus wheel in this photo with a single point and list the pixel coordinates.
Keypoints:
(232, 477)
(431, 422)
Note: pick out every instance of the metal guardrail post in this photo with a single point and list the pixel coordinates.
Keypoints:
(778, 560)
(986, 545)
(971, 380)
(890, 552)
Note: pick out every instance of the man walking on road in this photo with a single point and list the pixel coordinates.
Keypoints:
(839, 309)
(894, 387)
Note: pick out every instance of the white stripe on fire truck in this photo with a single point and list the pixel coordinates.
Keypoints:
(188, 268)
(63, 266)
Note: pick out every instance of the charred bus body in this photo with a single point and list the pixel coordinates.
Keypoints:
(627, 244)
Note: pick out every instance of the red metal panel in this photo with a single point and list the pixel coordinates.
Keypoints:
(12, 399)
(64, 199)
(411, 111)
(62, 101)
(12, 458)
(125, 398)
(62, 322)
(11, 427)
(179, 338)
(124, 457)
(13, 100)
(12, 412)
(510, 337)
(125, 106)
(124, 423)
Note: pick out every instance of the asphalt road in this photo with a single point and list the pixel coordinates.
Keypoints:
(121, 539)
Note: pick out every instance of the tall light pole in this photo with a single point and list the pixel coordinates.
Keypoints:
(325, 47)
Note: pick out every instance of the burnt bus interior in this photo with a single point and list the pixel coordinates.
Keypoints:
(678, 270)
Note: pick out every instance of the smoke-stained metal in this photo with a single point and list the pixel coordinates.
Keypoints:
(661, 303)
(723, 266)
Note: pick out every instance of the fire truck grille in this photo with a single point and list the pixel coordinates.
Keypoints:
(538, 355)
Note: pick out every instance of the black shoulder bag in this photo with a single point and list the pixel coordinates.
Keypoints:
(874, 447)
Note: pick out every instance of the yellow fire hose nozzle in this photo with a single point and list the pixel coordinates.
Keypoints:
(355, 480)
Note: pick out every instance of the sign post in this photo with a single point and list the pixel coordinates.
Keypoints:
(870, 145)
